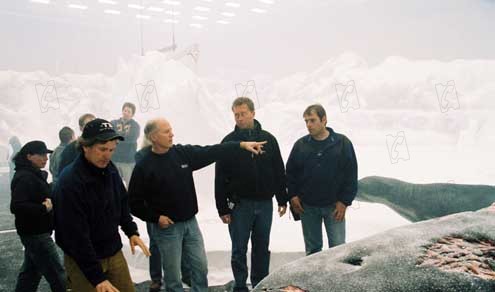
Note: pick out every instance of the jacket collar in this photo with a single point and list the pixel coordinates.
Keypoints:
(249, 132)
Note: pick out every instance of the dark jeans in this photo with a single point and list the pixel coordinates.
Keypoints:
(155, 260)
(250, 219)
(40, 259)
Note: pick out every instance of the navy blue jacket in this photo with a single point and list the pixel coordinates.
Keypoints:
(325, 177)
(90, 203)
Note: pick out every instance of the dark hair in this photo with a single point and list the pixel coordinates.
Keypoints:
(243, 100)
(317, 109)
(65, 135)
(83, 118)
(131, 106)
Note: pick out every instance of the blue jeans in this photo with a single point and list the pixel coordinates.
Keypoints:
(311, 220)
(253, 219)
(182, 240)
(155, 264)
(40, 259)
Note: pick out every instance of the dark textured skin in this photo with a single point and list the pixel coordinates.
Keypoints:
(418, 202)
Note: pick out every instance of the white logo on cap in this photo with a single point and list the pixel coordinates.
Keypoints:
(106, 126)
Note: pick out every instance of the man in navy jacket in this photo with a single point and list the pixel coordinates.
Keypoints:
(91, 203)
(321, 180)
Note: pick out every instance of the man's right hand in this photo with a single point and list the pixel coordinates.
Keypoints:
(164, 222)
(226, 218)
(296, 205)
(48, 204)
(106, 286)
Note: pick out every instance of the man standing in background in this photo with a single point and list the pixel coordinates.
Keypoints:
(66, 135)
(72, 150)
(249, 182)
(321, 180)
(128, 128)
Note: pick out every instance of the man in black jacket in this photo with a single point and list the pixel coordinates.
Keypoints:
(248, 183)
(32, 206)
(90, 204)
(162, 192)
(321, 180)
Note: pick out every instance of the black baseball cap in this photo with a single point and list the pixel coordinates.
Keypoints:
(35, 147)
(100, 130)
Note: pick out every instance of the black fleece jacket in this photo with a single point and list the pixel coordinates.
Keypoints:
(163, 184)
(257, 177)
(28, 190)
(90, 204)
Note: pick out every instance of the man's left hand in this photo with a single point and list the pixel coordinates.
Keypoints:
(339, 213)
(136, 240)
(282, 210)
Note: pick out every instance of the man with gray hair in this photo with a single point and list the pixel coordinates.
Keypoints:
(162, 192)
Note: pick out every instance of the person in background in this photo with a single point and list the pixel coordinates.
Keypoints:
(66, 136)
(32, 206)
(72, 150)
(15, 146)
(91, 203)
(128, 128)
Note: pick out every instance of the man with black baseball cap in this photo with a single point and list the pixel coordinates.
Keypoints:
(91, 203)
(32, 206)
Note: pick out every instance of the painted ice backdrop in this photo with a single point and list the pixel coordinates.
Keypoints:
(419, 121)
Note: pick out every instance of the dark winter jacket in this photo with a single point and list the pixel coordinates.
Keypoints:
(90, 205)
(257, 177)
(324, 176)
(126, 149)
(163, 184)
(69, 154)
(29, 190)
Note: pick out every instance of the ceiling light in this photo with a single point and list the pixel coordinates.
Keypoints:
(258, 10)
(142, 16)
(171, 2)
(135, 6)
(201, 8)
(170, 12)
(171, 21)
(199, 17)
(156, 9)
(228, 14)
(108, 2)
(41, 1)
(267, 1)
(78, 6)
(232, 4)
(196, 25)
